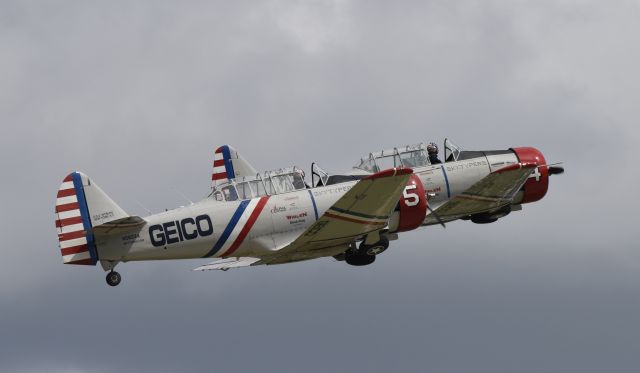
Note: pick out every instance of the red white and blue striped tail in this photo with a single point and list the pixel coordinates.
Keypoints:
(228, 164)
(81, 205)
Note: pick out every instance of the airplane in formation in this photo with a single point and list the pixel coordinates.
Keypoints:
(262, 218)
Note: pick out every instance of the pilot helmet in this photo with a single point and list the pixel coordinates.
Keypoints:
(432, 148)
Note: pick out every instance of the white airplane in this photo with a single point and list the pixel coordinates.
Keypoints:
(275, 217)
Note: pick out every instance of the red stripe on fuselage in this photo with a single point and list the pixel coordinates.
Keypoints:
(351, 220)
(247, 227)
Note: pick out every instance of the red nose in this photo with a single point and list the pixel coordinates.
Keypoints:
(536, 187)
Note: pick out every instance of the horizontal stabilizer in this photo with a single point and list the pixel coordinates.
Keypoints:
(123, 225)
(225, 264)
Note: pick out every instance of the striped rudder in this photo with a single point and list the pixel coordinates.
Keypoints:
(80, 206)
(228, 164)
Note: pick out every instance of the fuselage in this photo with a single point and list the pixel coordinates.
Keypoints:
(260, 226)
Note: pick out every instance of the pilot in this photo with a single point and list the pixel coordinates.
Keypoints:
(432, 149)
(298, 180)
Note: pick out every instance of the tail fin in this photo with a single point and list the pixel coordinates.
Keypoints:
(81, 205)
(228, 164)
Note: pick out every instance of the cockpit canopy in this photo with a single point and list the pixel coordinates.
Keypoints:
(407, 156)
(268, 183)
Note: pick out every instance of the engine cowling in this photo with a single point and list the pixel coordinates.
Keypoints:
(413, 205)
(536, 187)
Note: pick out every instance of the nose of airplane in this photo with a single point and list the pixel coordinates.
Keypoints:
(536, 187)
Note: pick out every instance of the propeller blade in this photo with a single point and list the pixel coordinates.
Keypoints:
(435, 214)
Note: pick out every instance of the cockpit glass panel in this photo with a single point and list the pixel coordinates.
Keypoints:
(387, 162)
(416, 158)
(269, 186)
(298, 181)
(230, 193)
(368, 165)
(282, 183)
(258, 188)
(244, 190)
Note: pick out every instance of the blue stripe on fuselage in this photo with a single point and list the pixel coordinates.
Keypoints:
(315, 207)
(227, 231)
(446, 180)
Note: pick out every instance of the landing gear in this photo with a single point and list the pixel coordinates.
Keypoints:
(366, 254)
(113, 278)
(359, 260)
(488, 218)
(374, 249)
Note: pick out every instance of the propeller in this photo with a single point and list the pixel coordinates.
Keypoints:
(435, 214)
(555, 168)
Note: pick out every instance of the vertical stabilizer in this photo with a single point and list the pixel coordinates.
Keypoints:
(81, 205)
(228, 164)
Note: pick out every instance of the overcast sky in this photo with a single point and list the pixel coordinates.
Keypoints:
(138, 94)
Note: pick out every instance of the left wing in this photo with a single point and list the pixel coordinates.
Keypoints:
(496, 190)
(364, 209)
(225, 264)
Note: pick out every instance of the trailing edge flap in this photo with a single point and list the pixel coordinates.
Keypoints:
(128, 224)
(493, 192)
(225, 264)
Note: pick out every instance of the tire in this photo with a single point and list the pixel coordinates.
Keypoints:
(360, 260)
(113, 278)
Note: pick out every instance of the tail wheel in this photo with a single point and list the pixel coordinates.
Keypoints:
(113, 278)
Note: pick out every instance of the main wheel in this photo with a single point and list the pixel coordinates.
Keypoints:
(359, 259)
(375, 249)
(113, 278)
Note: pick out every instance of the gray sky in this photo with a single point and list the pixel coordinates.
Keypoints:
(137, 94)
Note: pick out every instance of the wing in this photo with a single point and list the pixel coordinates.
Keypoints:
(225, 264)
(496, 190)
(364, 209)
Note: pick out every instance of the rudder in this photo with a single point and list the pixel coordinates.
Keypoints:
(81, 205)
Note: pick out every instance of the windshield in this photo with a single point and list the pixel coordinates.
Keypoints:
(451, 151)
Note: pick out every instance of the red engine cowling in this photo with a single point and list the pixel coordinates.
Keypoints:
(413, 205)
(536, 187)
